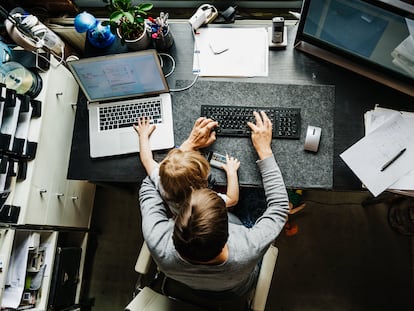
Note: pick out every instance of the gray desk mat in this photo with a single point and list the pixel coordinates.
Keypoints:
(300, 169)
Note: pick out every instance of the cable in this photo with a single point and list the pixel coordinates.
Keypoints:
(198, 62)
(172, 63)
(187, 87)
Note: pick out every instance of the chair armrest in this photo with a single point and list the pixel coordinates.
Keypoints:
(144, 260)
(264, 279)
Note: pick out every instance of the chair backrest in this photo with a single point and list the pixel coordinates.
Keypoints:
(204, 299)
(150, 300)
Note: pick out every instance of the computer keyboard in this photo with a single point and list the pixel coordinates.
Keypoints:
(124, 115)
(232, 120)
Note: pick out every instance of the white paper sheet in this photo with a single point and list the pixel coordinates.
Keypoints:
(375, 118)
(368, 155)
(403, 54)
(16, 276)
(236, 52)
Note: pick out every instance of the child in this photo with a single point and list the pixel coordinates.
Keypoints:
(182, 171)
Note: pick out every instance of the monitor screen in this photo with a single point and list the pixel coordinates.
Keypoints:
(381, 37)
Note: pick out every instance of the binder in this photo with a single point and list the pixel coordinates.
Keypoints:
(65, 278)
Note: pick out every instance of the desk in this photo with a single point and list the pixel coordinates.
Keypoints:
(354, 95)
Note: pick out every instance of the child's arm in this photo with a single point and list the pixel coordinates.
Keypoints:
(231, 168)
(144, 130)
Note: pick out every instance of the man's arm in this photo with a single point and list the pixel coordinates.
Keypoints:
(276, 213)
(155, 221)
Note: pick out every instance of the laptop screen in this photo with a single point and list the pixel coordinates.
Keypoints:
(119, 76)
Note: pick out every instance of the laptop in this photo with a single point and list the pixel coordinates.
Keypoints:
(116, 86)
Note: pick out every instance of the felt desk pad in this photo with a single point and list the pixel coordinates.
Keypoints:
(300, 168)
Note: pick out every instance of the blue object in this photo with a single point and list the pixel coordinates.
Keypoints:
(84, 21)
(5, 52)
(98, 35)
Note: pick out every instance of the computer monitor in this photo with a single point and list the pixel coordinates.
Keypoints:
(372, 38)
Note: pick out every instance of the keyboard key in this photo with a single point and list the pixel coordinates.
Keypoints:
(126, 114)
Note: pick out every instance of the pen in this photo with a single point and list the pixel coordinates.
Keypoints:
(217, 52)
(399, 154)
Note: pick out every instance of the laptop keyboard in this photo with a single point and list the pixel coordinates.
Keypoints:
(124, 115)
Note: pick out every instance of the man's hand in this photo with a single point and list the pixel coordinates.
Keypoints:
(201, 136)
(144, 128)
(261, 134)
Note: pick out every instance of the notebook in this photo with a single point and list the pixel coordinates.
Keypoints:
(118, 84)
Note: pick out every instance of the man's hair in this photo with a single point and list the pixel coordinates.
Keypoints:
(201, 227)
(182, 171)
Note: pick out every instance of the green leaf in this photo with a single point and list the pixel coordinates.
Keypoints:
(145, 7)
(116, 16)
(139, 20)
(129, 16)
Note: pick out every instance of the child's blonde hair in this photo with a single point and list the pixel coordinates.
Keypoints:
(181, 172)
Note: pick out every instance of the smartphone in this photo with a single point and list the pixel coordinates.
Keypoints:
(216, 159)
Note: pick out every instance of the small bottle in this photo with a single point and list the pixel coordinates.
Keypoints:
(278, 25)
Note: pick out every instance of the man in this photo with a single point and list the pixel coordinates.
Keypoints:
(231, 264)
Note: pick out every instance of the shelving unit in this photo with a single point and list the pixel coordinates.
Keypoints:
(38, 202)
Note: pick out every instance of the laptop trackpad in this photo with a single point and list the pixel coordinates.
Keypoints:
(129, 141)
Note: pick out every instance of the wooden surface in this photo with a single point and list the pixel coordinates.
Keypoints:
(354, 95)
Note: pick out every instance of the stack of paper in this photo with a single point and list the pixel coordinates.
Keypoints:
(237, 52)
(383, 158)
(403, 54)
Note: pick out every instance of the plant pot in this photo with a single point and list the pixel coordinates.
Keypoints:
(140, 43)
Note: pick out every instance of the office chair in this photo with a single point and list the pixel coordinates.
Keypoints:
(176, 296)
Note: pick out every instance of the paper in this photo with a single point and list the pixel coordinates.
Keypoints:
(368, 155)
(16, 276)
(403, 54)
(236, 52)
(375, 118)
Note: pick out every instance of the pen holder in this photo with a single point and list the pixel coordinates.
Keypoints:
(164, 41)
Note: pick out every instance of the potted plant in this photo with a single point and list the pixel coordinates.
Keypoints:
(128, 22)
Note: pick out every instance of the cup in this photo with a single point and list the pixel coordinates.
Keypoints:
(164, 40)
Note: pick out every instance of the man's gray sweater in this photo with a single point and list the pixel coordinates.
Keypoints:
(246, 246)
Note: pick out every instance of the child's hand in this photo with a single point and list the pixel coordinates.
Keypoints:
(232, 164)
(144, 128)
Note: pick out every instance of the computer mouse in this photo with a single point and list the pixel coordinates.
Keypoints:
(313, 137)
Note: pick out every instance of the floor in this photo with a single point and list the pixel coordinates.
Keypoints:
(342, 257)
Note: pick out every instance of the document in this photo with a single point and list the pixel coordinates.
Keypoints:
(236, 52)
(384, 155)
(375, 118)
(403, 54)
(16, 276)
